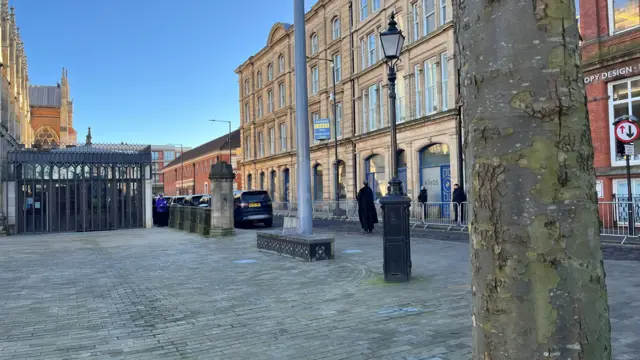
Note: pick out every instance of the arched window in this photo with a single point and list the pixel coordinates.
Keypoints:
(375, 175)
(272, 185)
(336, 28)
(342, 179)
(435, 172)
(317, 183)
(249, 182)
(314, 44)
(262, 177)
(281, 63)
(270, 72)
(259, 79)
(206, 188)
(401, 162)
(260, 106)
(246, 86)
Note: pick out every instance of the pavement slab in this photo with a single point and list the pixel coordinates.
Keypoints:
(165, 294)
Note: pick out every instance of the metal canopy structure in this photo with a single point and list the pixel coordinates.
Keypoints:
(77, 188)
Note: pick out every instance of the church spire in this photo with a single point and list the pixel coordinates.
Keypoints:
(88, 142)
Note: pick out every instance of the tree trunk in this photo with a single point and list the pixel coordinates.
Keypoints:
(538, 277)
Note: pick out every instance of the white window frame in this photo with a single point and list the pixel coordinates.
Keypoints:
(363, 54)
(260, 108)
(314, 80)
(281, 89)
(272, 140)
(281, 63)
(246, 86)
(600, 189)
(372, 54)
(259, 79)
(612, 136)
(381, 99)
(247, 114)
(612, 30)
(337, 69)
(260, 144)
(373, 107)
(270, 72)
(339, 119)
(443, 12)
(270, 101)
(426, 15)
(364, 10)
(365, 111)
(314, 44)
(416, 21)
(283, 137)
(444, 75)
(418, 90)
(375, 6)
(335, 26)
(430, 86)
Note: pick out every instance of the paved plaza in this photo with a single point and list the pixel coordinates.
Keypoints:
(165, 294)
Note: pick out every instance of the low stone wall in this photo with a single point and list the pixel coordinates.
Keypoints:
(191, 219)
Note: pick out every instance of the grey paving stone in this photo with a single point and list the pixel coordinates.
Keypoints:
(164, 294)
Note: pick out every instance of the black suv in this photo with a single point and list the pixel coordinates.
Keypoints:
(252, 207)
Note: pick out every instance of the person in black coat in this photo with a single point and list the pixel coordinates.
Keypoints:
(423, 198)
(459, 198)
(366, 208)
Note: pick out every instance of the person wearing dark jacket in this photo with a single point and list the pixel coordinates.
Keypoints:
(162, 210)
(366, 209)
(459, 198)
(423, 198)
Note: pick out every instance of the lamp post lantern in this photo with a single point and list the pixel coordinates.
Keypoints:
(228, 136)
(395, 205)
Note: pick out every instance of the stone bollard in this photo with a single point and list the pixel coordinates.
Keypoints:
(193, 219)
(222, 177)
(204, 221)
(172, 216)
(181, 217)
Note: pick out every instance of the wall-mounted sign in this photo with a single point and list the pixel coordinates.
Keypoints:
(613, 74)
(321, 129)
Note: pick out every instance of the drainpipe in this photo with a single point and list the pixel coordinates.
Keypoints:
(353, 101)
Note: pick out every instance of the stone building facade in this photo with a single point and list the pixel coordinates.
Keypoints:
(188, 174)
(347, 33)
(610, 31)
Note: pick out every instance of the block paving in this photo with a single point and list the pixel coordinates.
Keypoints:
(165, 294)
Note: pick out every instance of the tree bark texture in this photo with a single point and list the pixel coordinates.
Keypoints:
(538, 277)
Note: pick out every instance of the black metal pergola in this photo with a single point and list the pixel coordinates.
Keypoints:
(79, 188)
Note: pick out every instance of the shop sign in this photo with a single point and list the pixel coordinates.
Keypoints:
(613, 74)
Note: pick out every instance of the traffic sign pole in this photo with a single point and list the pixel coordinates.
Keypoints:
(630, 209)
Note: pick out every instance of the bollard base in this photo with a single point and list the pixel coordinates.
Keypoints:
(220, 232)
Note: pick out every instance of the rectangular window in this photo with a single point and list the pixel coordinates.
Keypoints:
(416, 75)
(259, 107)
(372, 49)
(246, 113)
(365, 111)
(429, 12)
(444, 73)
(624, 99)
(416, 21)
(282, 95)
(376, 5)
(155, 155)
(261, 144)
(283, 137)
(314, 116)
(247, 147)
(270, 99)
(270, 72)
(169, 155)
(363, 9)
(430, 88)
(623, 15)
(381, 99)
(373, 107)
(314, 80)
(272, 141)
(443, 12)
(336, 28)
(337, 67)
(363, 55)
(339, 119)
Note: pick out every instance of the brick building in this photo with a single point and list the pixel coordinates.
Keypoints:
(347, 33)
(610, 49)
(161, 156)
(189, 173)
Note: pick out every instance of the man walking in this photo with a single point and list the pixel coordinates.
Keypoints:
(459, 198)
(366, 208)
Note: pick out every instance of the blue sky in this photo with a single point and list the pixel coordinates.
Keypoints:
(147, 71)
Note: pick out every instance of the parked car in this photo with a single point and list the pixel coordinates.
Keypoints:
(178, 200)
(252, 207)
(205, 201)
(192, 200)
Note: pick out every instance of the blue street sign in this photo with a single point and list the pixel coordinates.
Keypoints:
(322, 129)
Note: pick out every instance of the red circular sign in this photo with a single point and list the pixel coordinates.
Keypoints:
(627, 131)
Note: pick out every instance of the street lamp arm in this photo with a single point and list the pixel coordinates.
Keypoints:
(319, 58)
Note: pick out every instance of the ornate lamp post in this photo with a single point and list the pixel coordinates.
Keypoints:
(395, 205)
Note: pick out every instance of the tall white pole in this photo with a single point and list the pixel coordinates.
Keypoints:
(305, 212)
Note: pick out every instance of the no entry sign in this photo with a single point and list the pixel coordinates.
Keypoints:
(627, 131)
